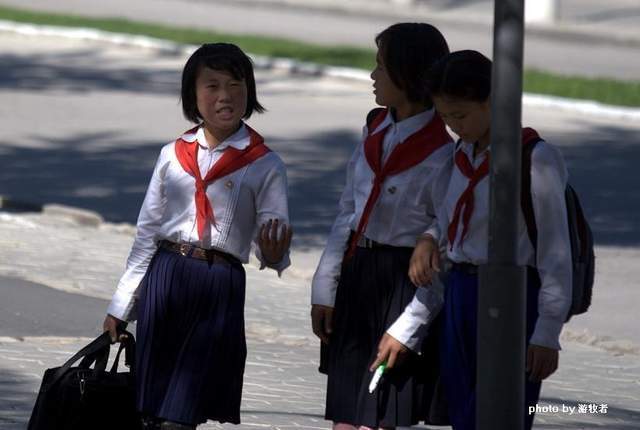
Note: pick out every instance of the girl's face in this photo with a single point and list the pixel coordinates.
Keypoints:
(386, 92)
(470, 120)
(221, 99)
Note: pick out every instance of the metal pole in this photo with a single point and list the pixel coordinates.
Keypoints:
(501, 299)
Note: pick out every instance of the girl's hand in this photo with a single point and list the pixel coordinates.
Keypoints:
(424, 261)
(541, 362)
(389, 350)
(322, 322)
(112, 325)
(272, 247)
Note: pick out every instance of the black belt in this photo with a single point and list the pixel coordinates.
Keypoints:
(365, 242)
(468, 268)
(192, 251)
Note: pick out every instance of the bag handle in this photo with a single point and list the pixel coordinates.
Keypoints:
(129, 346)
(95, 346)
(97, 350)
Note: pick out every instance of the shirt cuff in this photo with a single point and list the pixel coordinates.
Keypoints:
(434, 232)
(278, 267)
(547, 332)
(323, 291)
(123, 306)
(408, 332)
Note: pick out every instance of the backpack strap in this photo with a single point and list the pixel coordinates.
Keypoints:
(526, 198)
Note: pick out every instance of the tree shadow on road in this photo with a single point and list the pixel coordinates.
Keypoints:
(83, 70)
(112, 180)
(108, 172)
(602, 163)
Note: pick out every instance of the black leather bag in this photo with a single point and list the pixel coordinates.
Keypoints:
(74, 398)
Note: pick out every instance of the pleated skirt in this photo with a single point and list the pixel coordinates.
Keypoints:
(458, 347)
(373, 291)
(191, 347)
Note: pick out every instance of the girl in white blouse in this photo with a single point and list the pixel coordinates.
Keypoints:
(461, 86)
(361, 286)
(213, 191)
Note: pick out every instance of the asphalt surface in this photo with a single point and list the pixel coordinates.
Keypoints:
(466, 25)
(30, 309)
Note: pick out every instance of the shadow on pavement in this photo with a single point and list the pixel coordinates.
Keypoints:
(602, 163)
(82, 71)
(17, 397)
(107, 172)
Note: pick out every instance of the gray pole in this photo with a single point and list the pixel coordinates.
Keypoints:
(501, 300)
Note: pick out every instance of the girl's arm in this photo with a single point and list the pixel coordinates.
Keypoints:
(325, 280)
(411, 327)
(553, 258)
(271, 206)
(123, 303)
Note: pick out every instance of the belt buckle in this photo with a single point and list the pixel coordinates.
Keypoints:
(184, 249)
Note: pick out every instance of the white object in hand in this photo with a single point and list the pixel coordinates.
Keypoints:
(376, 377)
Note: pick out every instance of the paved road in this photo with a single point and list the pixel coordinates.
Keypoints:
(86, 120)
(30, 309)
(464, 28)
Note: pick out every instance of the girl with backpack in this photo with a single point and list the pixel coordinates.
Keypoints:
(214, 190)
(461, 86)
(361, 287)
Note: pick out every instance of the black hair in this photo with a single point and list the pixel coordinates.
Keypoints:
(463, 75)
(408, 51)
(225, 57)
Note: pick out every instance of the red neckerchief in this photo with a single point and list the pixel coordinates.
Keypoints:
(415, 149)
(232, 159)
(465, 202)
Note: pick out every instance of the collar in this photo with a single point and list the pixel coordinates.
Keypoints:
(407, 126)
(238, 140)
(467, 148)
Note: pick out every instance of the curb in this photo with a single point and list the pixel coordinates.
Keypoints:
(79, 216)
(606, 343)
(584, 107)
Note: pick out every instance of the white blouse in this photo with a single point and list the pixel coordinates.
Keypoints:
(553, 261)
(242, 201)
(404, 210)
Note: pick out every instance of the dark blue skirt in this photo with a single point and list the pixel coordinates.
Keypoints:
(191, 347)
(373, 291)
(458, 346)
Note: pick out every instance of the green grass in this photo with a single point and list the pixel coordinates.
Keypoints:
(602, 90)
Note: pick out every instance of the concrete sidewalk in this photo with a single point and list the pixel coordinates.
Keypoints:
(595, 39)
(282, 386)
